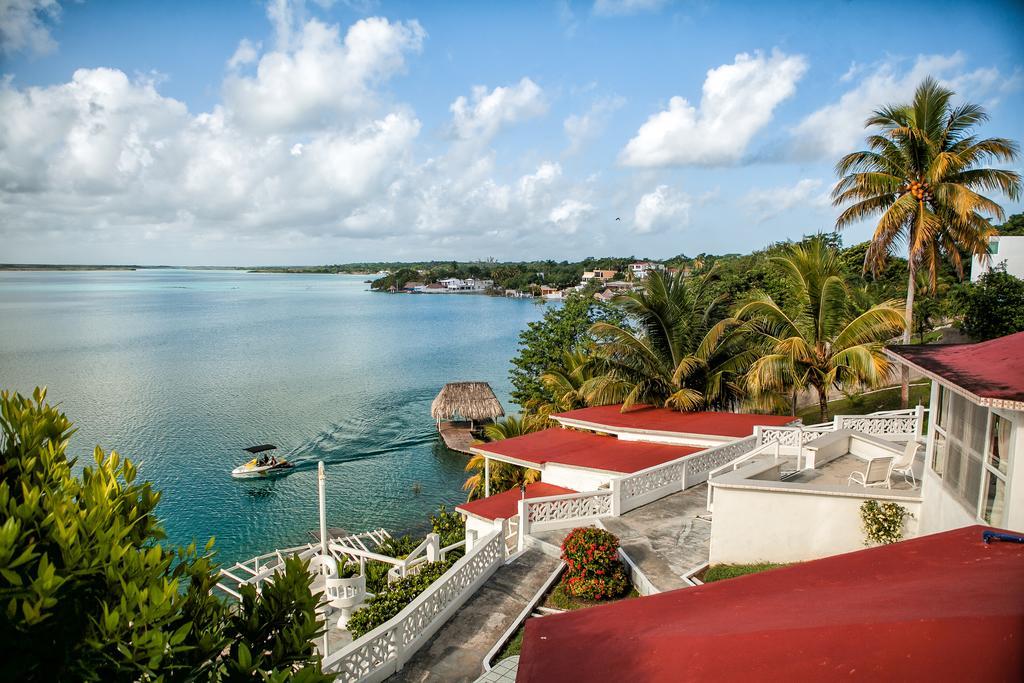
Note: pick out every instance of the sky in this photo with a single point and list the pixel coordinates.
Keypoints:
(333, 131)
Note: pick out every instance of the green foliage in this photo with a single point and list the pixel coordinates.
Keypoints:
(718, 572)
(449, 526)
(1014, 225)
(883, 522)
(377, 575)
(89, 593)
(593, 568)
(396, 279)
(675, 352)
(993, 306)
(392, 598)
(542, 343)
(398, 547)
(819, 341)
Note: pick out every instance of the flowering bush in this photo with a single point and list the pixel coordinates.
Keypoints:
(883, 523)
(594, 571)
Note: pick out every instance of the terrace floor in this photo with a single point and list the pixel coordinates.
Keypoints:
(666, 539)
(838, 471)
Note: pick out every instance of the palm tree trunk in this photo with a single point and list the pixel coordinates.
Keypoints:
(822, 404)
(909, 315)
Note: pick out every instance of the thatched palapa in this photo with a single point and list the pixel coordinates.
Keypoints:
(473, 401)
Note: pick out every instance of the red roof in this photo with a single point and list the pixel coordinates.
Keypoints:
(505, 505)
(941, 607)
(989, 370)
(646, 418)
(584, 449)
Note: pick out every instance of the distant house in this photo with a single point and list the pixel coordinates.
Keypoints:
(590, 275)
(434, 288)
(1001, 248)
(551, 293)
(641, 269)
(411, 286)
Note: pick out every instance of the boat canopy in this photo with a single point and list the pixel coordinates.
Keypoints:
(260, 449)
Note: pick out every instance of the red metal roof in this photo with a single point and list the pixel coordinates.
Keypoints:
(584, 449)
(989, 370)
(646, 418)
(505, 505)
(942, 607)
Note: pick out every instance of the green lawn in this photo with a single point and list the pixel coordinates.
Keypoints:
(886, 399)
(718, 572)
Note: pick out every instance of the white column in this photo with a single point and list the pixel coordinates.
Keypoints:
(321, 485)
(487, 477)
(433, 547)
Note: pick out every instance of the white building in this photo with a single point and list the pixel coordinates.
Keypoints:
(1001, 249)
(641, 269)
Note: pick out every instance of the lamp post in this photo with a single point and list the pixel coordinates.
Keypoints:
(321, 485)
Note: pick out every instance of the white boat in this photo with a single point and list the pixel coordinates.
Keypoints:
(262, 465)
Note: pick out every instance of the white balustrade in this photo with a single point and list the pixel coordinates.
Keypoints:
(562, 512)
(385, 650)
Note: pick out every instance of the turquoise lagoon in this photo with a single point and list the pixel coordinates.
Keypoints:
(181, 369)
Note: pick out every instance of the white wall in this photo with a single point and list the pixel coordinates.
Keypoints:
(480, 525)
(761, 525)
(1011, 250)
(573, 477)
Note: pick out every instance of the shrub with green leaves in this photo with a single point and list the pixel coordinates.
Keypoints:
(89, 593)
(593, 568)
(391, 599)
(449, 526)
(883, 522)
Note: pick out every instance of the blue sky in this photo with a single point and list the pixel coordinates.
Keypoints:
(323, 132)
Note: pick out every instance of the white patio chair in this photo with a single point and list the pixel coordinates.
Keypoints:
(905, 463)
(875, 474)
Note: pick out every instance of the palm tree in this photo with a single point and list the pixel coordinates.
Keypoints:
(923, 175)
(671, 354)
(568, 382)
(821, 341)
(504, 476)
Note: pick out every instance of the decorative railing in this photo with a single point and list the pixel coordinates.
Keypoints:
(510, 530)
(906, 424)
(385, 650)
(561, 512)
(650, 484)
(699, 465)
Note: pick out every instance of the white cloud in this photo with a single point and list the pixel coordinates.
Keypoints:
(838, 128)
(581, 128)
(322, 79)
(247, 52)
(738, 100)
(660, 210)
(482, 116)
(569, 215)
(24, 26)
(610, 8)
(765, 204)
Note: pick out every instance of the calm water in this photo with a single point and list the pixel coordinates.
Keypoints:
(179, 370)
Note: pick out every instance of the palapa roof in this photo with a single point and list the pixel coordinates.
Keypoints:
(468, 400)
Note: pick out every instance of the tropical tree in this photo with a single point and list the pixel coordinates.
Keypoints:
(671, 352)
(567, 382)
(90, 593)
(923, 175)
(819, 341)
(504, 476)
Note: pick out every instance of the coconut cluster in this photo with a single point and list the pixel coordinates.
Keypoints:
(920, 189)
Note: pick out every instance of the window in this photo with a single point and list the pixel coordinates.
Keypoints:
(960, 448)
(993, 246)
(996, 467)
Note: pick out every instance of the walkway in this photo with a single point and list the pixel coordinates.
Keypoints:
(668, 538)
(457, 436)
(456, 652)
